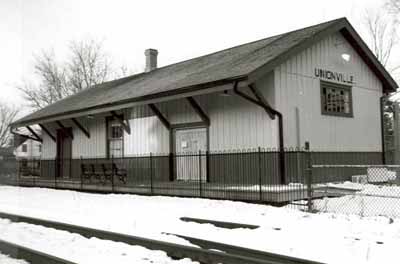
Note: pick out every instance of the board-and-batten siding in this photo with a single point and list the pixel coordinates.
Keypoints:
(296, 86)
(95, 146)
(235, 124)
(239, 124)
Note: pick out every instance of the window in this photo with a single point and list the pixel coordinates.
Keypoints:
(24, 148)
(115, 134)
(336, 99)
(40, 148)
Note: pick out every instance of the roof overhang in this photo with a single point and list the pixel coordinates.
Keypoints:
(201, 89)
(346, 29)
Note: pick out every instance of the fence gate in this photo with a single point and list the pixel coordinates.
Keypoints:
(188, 144)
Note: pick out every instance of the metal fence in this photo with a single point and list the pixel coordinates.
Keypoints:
(372, 190)
(249, 175)
(319, 181)
(8, 170)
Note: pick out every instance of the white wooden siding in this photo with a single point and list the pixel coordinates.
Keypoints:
(81, 145)
(49, 147)
(296, 86)
(239, 124)
(235, 124)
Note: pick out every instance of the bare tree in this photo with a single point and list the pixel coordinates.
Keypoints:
(52, 82)
(86, 66)
(393, 6)
(7, 116)
(383, 35)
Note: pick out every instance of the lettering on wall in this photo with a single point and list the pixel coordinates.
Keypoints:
(334, 76)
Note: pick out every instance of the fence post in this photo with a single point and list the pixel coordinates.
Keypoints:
(200, 187)
(207, 166)
(80, 168)
(112, 172)
(151, 174)
(259, 173)
(55, 172)
(171, 166)
(309, 177)
(18, 171)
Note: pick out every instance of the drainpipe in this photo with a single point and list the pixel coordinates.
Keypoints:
(274, 112)
(281, 145)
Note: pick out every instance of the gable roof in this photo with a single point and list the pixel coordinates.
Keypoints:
(244, 62)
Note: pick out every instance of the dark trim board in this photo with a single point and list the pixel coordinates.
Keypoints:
(160, 116)
(47, 132)
(349, 33)
(189, 125)
(199, 89)
(120, 118)
(24, 136)
(84, 130)
(262, 102)
(68, 131)
(33, 132)
(197, 108)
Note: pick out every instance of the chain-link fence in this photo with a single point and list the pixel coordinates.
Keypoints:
(364, 190)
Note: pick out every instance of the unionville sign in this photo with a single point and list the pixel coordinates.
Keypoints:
(334, 76)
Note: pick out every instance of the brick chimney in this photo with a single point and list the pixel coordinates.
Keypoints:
(151, 59)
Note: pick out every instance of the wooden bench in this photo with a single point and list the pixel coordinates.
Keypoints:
(102, 172)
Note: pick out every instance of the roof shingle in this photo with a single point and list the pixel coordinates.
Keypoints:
(230, 63)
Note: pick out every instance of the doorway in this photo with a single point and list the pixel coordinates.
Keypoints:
(188, 142)
(64, 152)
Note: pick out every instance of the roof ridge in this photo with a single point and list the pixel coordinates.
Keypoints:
(247, 43)
(300, 29)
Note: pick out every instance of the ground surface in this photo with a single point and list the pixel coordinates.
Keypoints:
(77, 248)
(327, 238)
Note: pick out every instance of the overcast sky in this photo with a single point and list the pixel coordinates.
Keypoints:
(178, 29)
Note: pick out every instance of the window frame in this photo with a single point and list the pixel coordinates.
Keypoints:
(348, 88)
(109, 121)
(24, 148)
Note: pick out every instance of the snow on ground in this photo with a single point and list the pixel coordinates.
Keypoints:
(77, 248)
(368, 200)
(370, 189)
(327, 238)
(4, 259)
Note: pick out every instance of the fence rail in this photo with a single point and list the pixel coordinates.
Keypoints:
(313, 180)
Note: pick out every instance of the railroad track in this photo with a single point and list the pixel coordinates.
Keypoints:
(30, 255)
(209, 253)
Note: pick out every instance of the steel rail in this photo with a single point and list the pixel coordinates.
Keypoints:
(30, 255)
(252, 253)
(209, 255)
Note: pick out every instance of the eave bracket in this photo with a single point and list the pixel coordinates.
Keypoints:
(122, 122)
(82, 128)
(197, 108)
(47, 132)
(160, 116)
